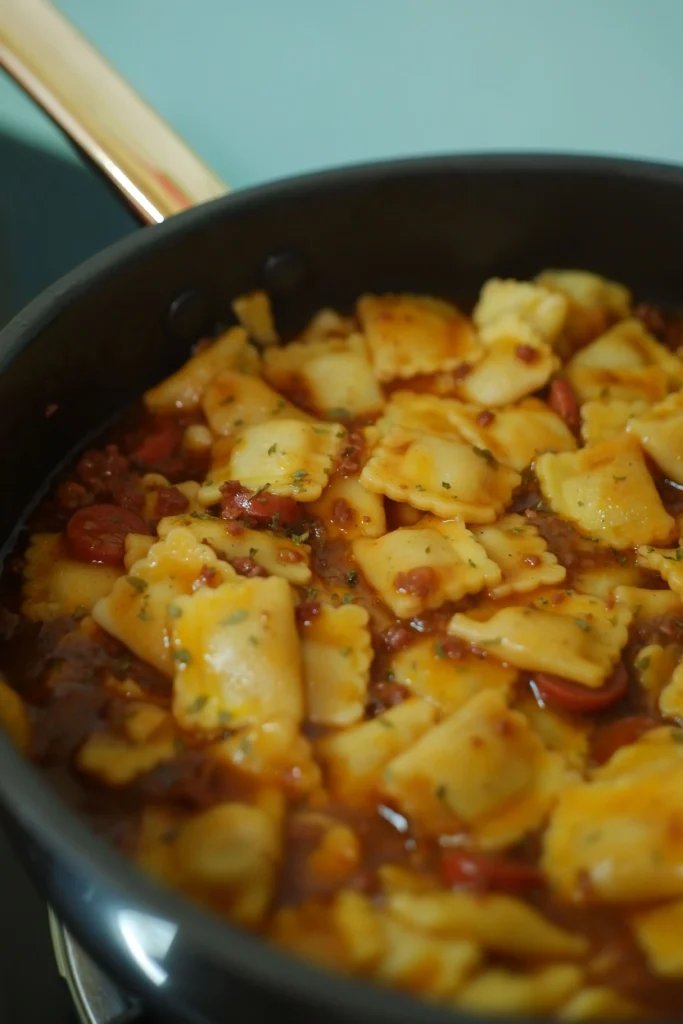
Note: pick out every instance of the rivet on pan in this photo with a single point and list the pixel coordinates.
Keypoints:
(284, 273)
(188, 316)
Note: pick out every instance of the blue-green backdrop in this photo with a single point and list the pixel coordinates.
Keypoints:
(264, 88)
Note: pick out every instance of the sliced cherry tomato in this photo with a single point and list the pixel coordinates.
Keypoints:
(465, 868)
(574, 697)
(238, 501)
(97, 533)
(563, 401)
(618, 734)
(158, 445)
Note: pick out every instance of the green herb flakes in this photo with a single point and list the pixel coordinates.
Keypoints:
(137, 583)
(235, 617)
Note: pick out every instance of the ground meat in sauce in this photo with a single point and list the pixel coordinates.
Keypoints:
(69, 678)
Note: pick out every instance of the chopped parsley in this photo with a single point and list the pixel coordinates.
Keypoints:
(471, 563)
(582, 624)
(381, 720)
(352, 578)
(419, 487)
(445, 485)
(301, 538)
(183, 656)
(339, 413)
(252, 552)
(618, 479)
(348, 599)
(441, 791)
(198, 703)
(144, 615)
(224, 717)
(235, 617)
(137, 583)
(345, 651)
(440, 650)
(299, 474)
(272, 449)
(174, 611)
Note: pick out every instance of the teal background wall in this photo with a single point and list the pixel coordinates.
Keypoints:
(265, 88)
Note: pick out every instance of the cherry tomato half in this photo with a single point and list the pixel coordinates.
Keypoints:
(574, 697)
(465, 868)
(158, 445)
(609, 738)
(562, 400)
(97, 533)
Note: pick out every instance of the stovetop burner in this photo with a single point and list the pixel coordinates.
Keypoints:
(96, 998)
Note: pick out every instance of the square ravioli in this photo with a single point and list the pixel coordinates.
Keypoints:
(607, 492)
(660, 432)
(448, 677)
(349, 510)
(139, 609)
(414, 334)
(438, 472)
(483, 769)
(419, 567)
(354, 758)
(509, 371)
(593, 823)
(334, 376)
(287, 457)
(337, 652)
(521, 310)
(236, 400)
(237, 657)
(55, 584)
(184, 390)
(579, 637)
(625, 363)
(607, 420)
(658, 933)
(516, 434)
(594, 302)
(244, 548)
(516, 546)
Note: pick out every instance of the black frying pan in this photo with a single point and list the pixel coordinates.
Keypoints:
(96, 339)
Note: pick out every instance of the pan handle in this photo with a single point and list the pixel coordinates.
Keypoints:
(153, 169)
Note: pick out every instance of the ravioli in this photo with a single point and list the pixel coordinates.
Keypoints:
(277, 556)
(55, 584)
(349, 510)
(287, 457)
(335, 375)
(509, 371)
(117, 757)
(445, 476)
(625, 363)
(658, 933)
(527, 312)
(515, 434)
(668, 562)
(428, 671)
(594, 302)
(411, 334)
(579, 638)
(516, 546)
(237, 657)
(607, 493)
(482, 769)
(626, 808)
(140, 608)
(607, 420)
(499, 991)
(183, 390)
(336, 651)
(660, 432)
(236, 400)
(419, 567)
(354, 758)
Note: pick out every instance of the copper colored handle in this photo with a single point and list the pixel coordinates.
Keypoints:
(156, 172)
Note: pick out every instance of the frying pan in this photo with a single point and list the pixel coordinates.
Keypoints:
(97, 338)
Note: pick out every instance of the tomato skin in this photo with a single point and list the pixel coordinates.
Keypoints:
(562, 400)
(620, 733)
(159, 444)
(571, 696)
(477, 870)
(97, 533)
(238, 501)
